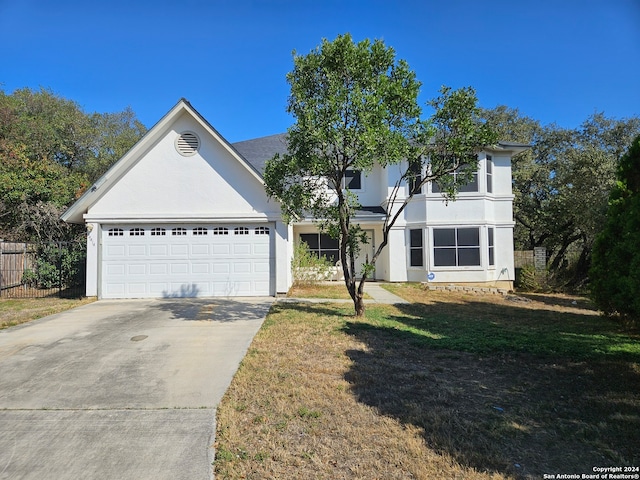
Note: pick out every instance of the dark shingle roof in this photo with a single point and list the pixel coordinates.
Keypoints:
(259, 150)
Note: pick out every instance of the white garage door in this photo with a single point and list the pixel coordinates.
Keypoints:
(150, 261)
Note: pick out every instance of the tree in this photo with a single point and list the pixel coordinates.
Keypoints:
(50, 152)
(33, 194)
(356, 106)
(615, 268)
(561, 185)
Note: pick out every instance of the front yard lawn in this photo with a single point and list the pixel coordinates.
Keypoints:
(451, 386)
(14, 311)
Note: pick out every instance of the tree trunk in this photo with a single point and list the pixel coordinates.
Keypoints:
(358, 299)
(358, 304)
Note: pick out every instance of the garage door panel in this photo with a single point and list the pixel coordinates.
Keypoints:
(114, 269)
(241, 267)
(114, 251)
(189, 264)
(200, 268)
(242, 249)
(261, 249)
(158, 289)
(136, 288)
(221, 249)
(136, 269)
(179, 268)
(261, 267)
(136, 250)
(158, 269)
(179, 250)
(158, 250)
(200, 250)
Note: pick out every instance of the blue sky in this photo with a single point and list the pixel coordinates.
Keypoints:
(557, 61)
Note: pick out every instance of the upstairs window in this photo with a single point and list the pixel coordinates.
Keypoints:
(489, 163)
(414, 176)
(178, 231)
(136, 232)
(471, 186)
(116, 232)
(352, 179)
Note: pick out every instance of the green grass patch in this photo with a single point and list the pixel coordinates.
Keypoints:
(479, 327)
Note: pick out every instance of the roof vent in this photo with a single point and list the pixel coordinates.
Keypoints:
(187, 144)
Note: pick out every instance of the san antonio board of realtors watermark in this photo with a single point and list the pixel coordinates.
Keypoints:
(598, 473)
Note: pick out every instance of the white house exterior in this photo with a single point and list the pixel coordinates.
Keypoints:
(184, 213)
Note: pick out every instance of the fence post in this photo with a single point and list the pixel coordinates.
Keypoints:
(1, 265)
(58, 246)
(540, 262)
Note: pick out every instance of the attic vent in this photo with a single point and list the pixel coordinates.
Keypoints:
(187, 144)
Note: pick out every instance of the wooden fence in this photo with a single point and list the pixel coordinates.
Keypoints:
(29, 270)
(15, 258)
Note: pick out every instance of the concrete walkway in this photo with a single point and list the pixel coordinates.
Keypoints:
(373, 289)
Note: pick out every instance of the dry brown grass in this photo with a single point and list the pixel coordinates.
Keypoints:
(291, 413)
(14, 311)
(334, 291)
(321, 394)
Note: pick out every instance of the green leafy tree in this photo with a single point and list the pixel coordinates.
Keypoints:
(561, 185)
(355, 106)
(33, 194)
(50, 152)
(615, 268)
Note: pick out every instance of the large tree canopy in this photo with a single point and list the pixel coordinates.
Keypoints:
(355, 106)
(562, 183)
(50, 151)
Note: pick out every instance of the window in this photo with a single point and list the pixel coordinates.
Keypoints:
(490, 243)
(353, 179)
(456, 247)
(178, 231)
(158, 232)
(200, 231)
(116, 232)
(136, 232)
(489, 162)
(262, 231)
(416, 256)
(322, 245)
(241, 231)
(471, 186)
(219, 231)
(415, 176)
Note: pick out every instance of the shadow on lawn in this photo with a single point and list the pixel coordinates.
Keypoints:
(563, 400)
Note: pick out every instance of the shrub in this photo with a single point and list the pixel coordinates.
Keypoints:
(307, 268)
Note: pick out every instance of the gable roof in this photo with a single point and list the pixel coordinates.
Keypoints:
(74, 214)
(258, 150)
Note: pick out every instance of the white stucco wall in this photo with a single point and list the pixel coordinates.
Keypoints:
(163, 183)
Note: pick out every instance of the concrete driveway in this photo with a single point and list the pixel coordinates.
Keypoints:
(120, 389)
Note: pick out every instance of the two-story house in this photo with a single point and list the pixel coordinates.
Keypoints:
(185, 213)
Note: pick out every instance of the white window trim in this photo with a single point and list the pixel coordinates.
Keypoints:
(484, 260)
